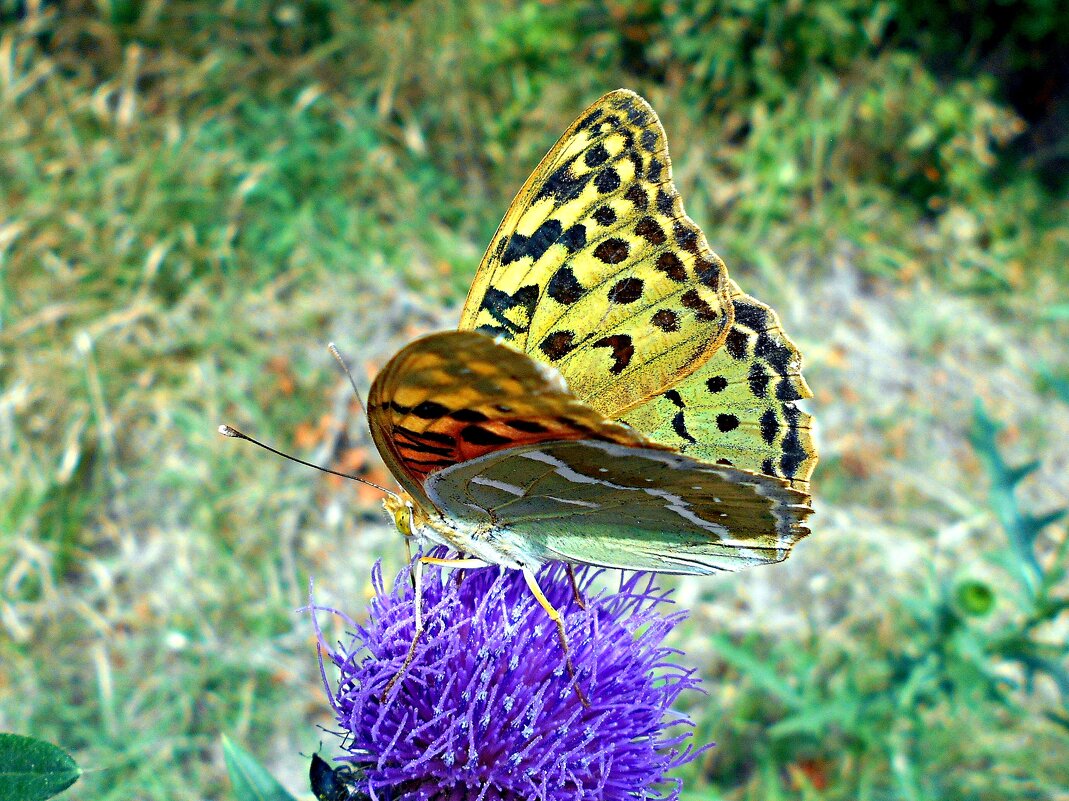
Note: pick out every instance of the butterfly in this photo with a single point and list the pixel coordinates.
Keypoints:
(611, 397)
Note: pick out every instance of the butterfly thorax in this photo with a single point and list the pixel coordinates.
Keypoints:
(474, 540)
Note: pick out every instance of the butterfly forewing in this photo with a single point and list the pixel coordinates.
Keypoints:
(454, 396)
(596, 268)
(622, 506)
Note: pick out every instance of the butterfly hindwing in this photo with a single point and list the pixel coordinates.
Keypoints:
(596, 268)
(622, 506)
(738, 408)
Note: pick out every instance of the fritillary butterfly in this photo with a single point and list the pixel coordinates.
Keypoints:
(612, 397)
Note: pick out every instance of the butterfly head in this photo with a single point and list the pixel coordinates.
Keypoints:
(402, 511)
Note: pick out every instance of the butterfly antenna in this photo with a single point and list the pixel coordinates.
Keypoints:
(337, 357)
(230, 431)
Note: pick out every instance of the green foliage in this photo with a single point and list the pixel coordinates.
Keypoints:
(848, 105)
(33, 770)
(1040, 597)
(863, 708)
(249, 779)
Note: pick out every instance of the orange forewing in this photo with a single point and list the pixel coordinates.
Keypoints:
(457, 395)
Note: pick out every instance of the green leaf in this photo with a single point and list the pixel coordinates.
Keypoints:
(250, 779)
(757, 670)
(33, 770)
(817, 720)
(1019, 527)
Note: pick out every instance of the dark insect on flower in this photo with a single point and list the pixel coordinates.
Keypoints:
(334, 784)
(487, 711)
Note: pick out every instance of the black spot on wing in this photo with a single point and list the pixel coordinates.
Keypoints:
(671, 265)
(727, 422)
(622, 351)
(655, 170)
(679, 425)
(563, 184)
(709, 272)
(666, 320)
(499, 303)
(649, 230)
(468, 416)
(535, 245)
(717, 383)
(758, 379)
(603, 215)
(638, 196)
(793, 452)
(675, 398)
(751, 316)
(769, 426)
(626, 291)
(564, 287)
(429, 410)
(477, 435)
(775, 353)
(558, 344)
(574, 239)
(649, 140)
(612, 251)
(666, 203)
(737, 343)
(596, 156)
(686, 237)
(786, 391)
(607, 180)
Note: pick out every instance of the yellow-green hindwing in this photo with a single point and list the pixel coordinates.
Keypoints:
(636, 508)
(597, 270)
(737, 408)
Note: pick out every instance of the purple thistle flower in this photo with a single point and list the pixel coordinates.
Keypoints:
(487, 711)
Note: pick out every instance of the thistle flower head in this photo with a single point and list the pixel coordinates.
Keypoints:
(487, 711)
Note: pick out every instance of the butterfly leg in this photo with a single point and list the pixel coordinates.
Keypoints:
(575, 586)
(554, 615)
(464, 564)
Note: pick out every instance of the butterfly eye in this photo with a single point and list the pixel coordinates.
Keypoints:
(402, 518)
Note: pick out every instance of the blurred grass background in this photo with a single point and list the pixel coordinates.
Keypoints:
(196, 197)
